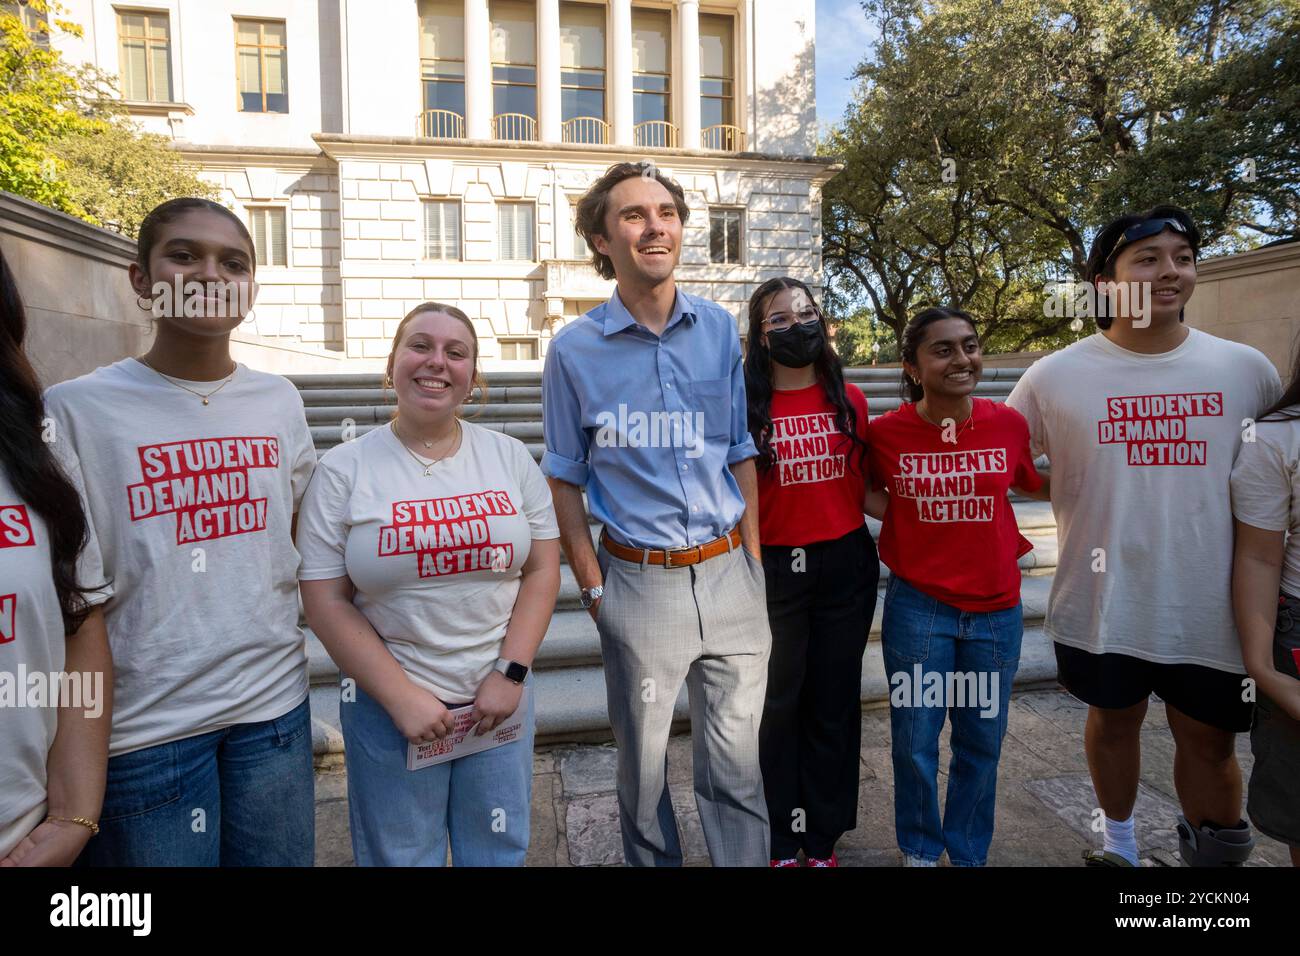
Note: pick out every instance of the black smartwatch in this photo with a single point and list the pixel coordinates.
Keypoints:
(513, 671)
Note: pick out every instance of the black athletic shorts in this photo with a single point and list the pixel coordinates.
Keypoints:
(1115, 681)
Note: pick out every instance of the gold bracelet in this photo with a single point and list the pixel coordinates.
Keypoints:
(90, 825)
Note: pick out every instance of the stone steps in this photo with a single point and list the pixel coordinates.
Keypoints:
(569, 680)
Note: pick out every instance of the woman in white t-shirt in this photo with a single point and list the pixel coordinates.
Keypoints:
(54, 747)
(1266, 603)
(193, 465)
(431, 564)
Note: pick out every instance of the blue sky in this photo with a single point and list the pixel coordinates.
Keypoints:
(843, 37)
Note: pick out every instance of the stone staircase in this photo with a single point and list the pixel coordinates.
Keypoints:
(569, 681)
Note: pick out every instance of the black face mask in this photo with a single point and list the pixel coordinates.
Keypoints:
(796, 346)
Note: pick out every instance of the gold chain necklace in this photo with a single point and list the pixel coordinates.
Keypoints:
(967, 422)
(172, 381)
(426, 465)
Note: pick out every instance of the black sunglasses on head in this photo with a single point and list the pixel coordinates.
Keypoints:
(1143, 229)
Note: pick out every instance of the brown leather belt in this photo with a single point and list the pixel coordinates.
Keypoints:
(677, 557)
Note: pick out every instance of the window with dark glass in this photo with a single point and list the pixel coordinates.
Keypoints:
(262, 66)
(717, 71)
(36, 24)
(724, 235)
(144, 45)
(651, 67)
(442, 65)
(582, 66)
(514, 67)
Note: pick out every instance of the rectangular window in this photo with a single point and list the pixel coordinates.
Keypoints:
(36, 24)
(582, 71)
(724, 235)
(442, 67)
(262, 67)
(578, 248)
(515, 230)
(267, 224)
(514, 69)
(516, 350)
(442, 230)
(717, 71)
(651, 84)
(144, 45)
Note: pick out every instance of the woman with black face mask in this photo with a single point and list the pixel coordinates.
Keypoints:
(821, 569)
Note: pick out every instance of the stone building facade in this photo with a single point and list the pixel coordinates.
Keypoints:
(388, 152)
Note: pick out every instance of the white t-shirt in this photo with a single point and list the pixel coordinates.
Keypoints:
(32, 643)
(194, 507)
(1141, 448)
(1266, 489)
(435, 560)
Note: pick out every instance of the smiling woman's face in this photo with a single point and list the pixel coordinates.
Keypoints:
(204, 255)
(948, 360)
(432, 367)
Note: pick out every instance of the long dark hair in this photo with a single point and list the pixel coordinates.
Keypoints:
(758, 377)
(1099, 264)
(914, 335)
(1286, 408)
(28, 461)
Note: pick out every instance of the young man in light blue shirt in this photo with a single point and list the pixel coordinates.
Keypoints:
(644, 407)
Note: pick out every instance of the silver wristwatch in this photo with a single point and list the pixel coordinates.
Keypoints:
(589, 596)
(512, 670)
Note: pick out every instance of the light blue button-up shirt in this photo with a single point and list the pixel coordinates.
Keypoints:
(649, 424)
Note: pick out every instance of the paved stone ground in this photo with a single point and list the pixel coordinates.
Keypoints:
(1044, 809)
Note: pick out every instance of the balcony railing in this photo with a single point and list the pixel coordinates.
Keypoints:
(656, 133)
(730, 139)
(441, 124)
(514, 126)
(584, 129)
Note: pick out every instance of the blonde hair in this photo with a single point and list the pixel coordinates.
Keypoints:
(477, 382)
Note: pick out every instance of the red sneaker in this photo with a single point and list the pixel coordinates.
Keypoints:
(793, 861)
(815, 861)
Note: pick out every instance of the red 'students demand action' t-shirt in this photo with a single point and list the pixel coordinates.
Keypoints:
(814, 491)
(949, 530)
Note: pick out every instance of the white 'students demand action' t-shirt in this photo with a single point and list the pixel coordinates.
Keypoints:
(435, 560)
(1266, 488)
(1141, 448)
(33, 646)
(194, 506)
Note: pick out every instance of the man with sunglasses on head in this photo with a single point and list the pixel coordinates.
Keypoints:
(643, 405)
(1142, 422)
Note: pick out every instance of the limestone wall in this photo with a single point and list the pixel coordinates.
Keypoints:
(81, 311)
(1252, 297)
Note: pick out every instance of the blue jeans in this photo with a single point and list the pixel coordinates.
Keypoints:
(402, 817)
(240, 796)
(973, 657)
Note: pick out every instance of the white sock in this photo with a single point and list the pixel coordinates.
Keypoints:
(1121, 839)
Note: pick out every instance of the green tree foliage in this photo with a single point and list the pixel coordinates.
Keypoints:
(855, 336)
(987, 141)
(65, 140)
